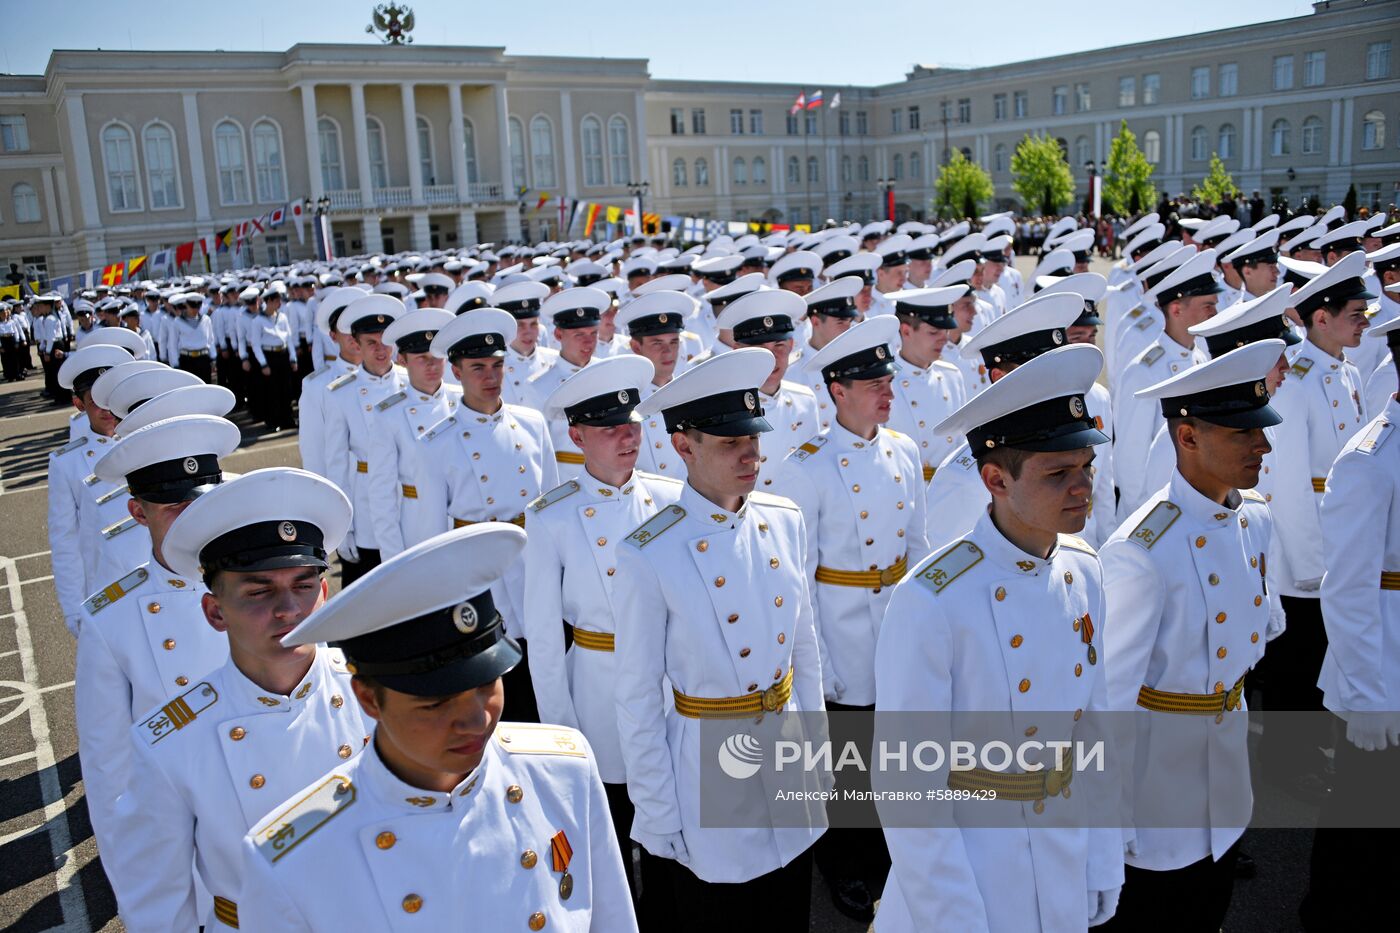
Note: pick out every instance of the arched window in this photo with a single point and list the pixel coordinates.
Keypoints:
(1198, 144)
(846, 172)
(469, 149)
(1226, 140)
(119, 159)
(26, 203)
(1152, 146)
(794, 170)
(378, 153)
(162, 174)
(760, 171)
(1373, 130)
(967, 153)
(619, 150)
(517, 153)
(591, 135)
(702, 173)
(814, 174)
(741, 171)
(897, 167)
(542, 151)
(332, 176)
(678, 173)
(268, 174)
(427, 167)
(1280, 138)
(231, 162)
(1312, 135)
(999, 157)
(916, 166)
(862, 169)
(1081, 150)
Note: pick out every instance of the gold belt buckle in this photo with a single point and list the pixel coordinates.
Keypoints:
(1232, 699)
(1057, 781)
(890, 575)
(772, 699)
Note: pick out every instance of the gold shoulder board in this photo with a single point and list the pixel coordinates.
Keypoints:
(950, 565)
(110, 594)
(390, 401)
(654, 526)
(527, 739)
(277, 836)
(1374, 437)
(1076, 543)
(179, 712)
(1152, 355)
(806, 450)
(1301, 366)
(1150, 530)
(340, 381)
(562, 491)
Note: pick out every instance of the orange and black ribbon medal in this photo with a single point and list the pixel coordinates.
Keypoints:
(561, 853)
(1086, 635)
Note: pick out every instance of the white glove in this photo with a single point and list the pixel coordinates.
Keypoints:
(1103, 905)
(1371, 732)
(347, 549)
(73, 623)
(664, 845)
(835, 689)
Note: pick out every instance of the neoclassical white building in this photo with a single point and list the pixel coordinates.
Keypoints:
(110, 155)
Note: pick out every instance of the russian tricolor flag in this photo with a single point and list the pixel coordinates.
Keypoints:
(815, 101)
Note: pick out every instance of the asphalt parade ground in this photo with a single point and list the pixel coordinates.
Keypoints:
(50, 875)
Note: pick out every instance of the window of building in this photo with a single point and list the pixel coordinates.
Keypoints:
(1127, 91)
(678, 173)
(967, 152)
(591, 135)
(1229, 75)
(26, 201)
(1082, 101)
(810, 119)
(542, 152)
(162, 174)
(756, 122)
(1151, 88)
(862, 169)
(1373, 130)
(516, 133)
(847, 170)
(469, 150)
(1152, 146)
(328, 136)
(1312, 135)
(36, 266)
(897, 167)
(814, 174)
(1021, 104)
(1198, 144)
(279, 252)
(1082, 153)
(1225, 147)
(14, 133)
(269, 177)
(131, 252)
(1283, 72)
(862, 124)
(233, 168)
(702, 173)
(1200, 82)
(914, 117)
(697, 123)
(378, 153)
(1059, 100)
(916, 166)
(998, 106)
(677, 121)
(797, 215)
(1280, 138)
(1314, 69)
(897, 120)
(999, 157)
(736, 121)
(1369, 196)
(619, 150)
(760, 170)
(1377, 61)
(740, 172)
(119, 156)
(427, 165)
(793, 124)
(794, 170)
(844, 123)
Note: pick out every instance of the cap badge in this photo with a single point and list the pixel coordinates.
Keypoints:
(749, 401)
(464, 617)
(1259, 390)
(287, 531)
(191, 465)
(578, 312)
(624, 397)
(1076, 407)
(1057, 337)
(379, 319)
(662, 319)
(429, 335)
(768, 322)
(881, 353)
(490, 339)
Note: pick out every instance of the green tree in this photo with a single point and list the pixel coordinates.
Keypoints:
(1042, 176)
(1128, 189)
(1217, 186)
(962, 187)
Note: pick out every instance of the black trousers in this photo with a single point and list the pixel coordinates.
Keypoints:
(520, 705)
(11, 358)
(653, 912)
(778, 902)
(228, 374)
(253, 386)
(304, 366)
(278, 390)
(350, 571)
(51, 363)
(1193, 899)
(852, 853)
(200, 366)
(1286, 680)
(1354, 869)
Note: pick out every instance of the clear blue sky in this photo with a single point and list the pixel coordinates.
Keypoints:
(757, 40)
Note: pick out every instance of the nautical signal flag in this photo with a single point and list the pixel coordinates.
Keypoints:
(798, 104)
(815, 101)
(835, 100)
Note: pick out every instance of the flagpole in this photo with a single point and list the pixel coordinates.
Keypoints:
(829, 180)
(807, 175)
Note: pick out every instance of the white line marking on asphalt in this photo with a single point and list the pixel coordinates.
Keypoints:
(36, 580)
(16, 759)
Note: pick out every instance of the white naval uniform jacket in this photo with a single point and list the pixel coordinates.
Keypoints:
(1381, 384)
(400, 421)
(1140, 328)
(143, 641)
(539, 389)
(570, 573)
(1369, 354)
(92, 537)
(922, 399)
(714, 604)
(656, 454)
(1320, 403)
(210, 764)
(973, 369)
(793, 414)
(984, 627)
(1361, 540)
(1189, 611)
(311, 413)
(359, 849)
(519, 370)
(348, 436)
(863, 505)
(826, 408)
(1136, 420)
(487, 468)
(1122, 305)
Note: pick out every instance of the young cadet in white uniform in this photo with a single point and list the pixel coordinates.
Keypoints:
(574, 313)
(1322, 410)
(1002, 622)
(767, 319)
(654, 324)
(400, 421)
(1360, 681)
(1256, 263)
(1368, 357)
(451, 818)
(860, 488)
(349, 412)
(957, 496)
(487, 462)
(571, 565)
(1124, 294)
(964, 312)
(712, 601)
(211, 762)
(315, 388)
(927, 389)
(1383, 383)
(1189, 613)
(526, 357)
(134, 654)
(831, 310)
(1186, 296)
(1144, 323)
(892, 273)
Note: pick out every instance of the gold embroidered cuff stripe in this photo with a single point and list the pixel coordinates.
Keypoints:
(410, 492)
(1390, 579)
(1319, 483)
(741, 707)
(226, 911)
(1162, 701)
(928, 472)
(361, 466)
(868, 579)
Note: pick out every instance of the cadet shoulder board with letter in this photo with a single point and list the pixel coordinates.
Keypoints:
(654, 526)
(1150, 530)
(390, 401)
(562, 491)
(341, 381)
(806, 450)
(115, 591)
(529, 739)
(179, 712)
(951, 564)
(287, 830)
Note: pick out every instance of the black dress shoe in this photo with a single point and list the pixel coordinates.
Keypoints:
(852, 898)
(1244, 865)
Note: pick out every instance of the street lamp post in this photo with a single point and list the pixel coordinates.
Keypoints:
(638, 190)
(1095, 199)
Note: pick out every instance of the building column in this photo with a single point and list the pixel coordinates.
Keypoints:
(360, 131)
(639, 137)
(1246, 139)
(512, 219)
(371, 234)
(466, 228)
(1344, 129)
(458, 141)
(410, 135)
(1334, 134)
(82, 162)
(310, 128)
(194, 142)
(503, 139)
(51, 215)
(566, 119)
